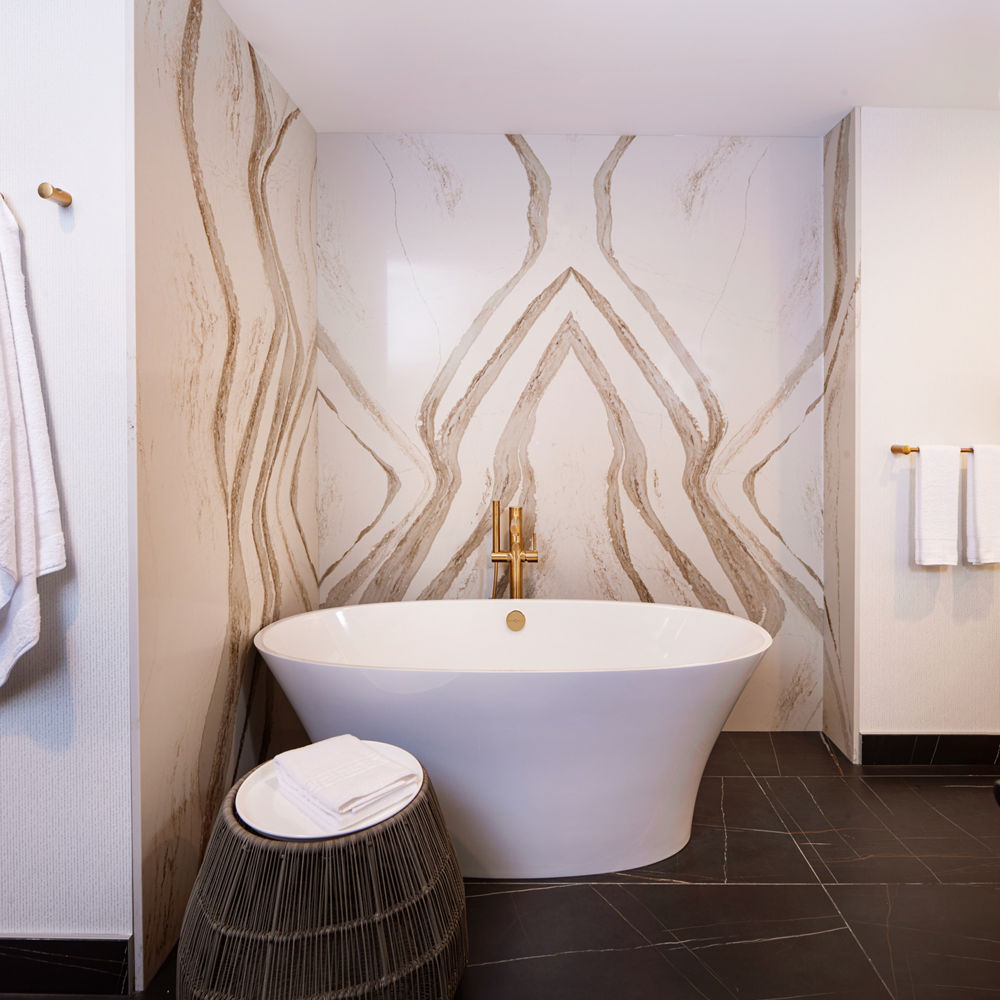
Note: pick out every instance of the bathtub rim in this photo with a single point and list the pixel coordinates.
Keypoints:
(764, 643)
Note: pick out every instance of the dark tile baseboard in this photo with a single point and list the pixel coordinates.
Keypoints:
(80, 967)
(931, 750)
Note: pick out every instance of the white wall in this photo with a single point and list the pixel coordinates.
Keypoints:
(928, 362)
(65, 810)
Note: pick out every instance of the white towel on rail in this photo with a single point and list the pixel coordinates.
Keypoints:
(982, 505)
(31, 537)
(936, 520)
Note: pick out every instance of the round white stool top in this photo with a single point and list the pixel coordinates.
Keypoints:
(260, 804)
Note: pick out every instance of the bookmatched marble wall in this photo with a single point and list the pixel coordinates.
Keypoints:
(225, 293)
(625, 335)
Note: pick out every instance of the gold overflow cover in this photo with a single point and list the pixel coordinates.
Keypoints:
(515, 621)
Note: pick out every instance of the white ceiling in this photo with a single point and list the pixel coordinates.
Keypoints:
(736, 67)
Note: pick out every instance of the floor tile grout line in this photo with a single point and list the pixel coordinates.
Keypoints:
(833, 903)
(890, 831)
(677, 944)
(774, 753)
(930, 805)
(831, 826)
(663, 956)
(779, 808)
(725, 830)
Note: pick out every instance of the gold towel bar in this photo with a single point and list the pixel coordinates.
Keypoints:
(60, 197)
(909, 449)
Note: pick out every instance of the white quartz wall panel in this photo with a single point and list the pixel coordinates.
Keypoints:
(841, 287)
(65, 810)
(928, 362)
(625, 335)
(226, 420)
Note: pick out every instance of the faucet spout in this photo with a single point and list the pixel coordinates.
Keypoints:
(516, 555)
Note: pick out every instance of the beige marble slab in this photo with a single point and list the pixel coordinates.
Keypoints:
(624, 335)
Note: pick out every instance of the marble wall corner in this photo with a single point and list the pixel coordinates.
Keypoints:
(841, 286)
(226, 303)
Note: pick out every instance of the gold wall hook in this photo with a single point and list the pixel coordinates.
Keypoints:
(50, 193)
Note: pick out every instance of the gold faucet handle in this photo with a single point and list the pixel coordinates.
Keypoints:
(531, 555)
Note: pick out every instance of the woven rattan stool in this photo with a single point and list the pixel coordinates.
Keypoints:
(379, 913)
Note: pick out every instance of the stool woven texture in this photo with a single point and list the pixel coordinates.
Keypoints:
(379, 913)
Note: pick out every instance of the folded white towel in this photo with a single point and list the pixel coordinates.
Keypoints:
(341, 781)
(31, 538)
(982, 505)
(936, 520)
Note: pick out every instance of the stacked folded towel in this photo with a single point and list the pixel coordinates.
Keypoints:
(340, 782)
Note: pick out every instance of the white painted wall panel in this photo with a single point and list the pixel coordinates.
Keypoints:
(928, 372)
(65, 812)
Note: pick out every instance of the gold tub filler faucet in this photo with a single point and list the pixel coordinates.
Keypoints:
(517, 556)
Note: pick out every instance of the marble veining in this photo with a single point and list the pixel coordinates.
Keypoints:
(227, 423)
(840, 294)
(624, 335)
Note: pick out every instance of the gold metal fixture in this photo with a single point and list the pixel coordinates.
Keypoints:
(60, 197)
(515, 621)
(910, 449)
(516, 556)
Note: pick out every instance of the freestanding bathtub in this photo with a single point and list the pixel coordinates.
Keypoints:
(570, 747)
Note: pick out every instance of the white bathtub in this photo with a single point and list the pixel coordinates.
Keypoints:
(572, 747)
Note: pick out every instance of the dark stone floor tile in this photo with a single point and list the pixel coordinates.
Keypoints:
(928, 942)
(720, 913)
(90, 966)
(903, 810)
(967, 803)
(759, 941)
(953, 868)
(879, 869)
(830, 812)
(735, 802)
(837, 823)
(725, 760)
(493, 887)
(637, 973)
(717, 855)
(801, 754)
(536, 921)
(819, 964)
(756, 750)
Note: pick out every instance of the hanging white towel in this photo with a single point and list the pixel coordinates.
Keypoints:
(982, 505)
(340, 781)
(31, 538)
(936, 520)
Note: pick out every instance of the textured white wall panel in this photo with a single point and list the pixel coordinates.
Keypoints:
(928, 372)
(65, 812)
